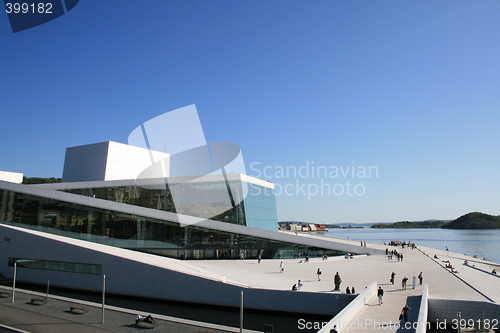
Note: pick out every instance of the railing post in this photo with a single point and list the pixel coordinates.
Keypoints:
(48, 284)
(241, 312)
(14, 283)
(103, 295)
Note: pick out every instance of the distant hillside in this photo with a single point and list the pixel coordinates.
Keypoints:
(409, 225)
(474, 220)
(468, 221)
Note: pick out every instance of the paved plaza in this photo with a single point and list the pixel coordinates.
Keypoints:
(362, 270)
(469, 282)
(466, 282)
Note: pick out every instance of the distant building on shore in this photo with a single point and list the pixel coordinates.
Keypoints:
(301, 226)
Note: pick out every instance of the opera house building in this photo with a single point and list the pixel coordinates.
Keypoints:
(112, 216)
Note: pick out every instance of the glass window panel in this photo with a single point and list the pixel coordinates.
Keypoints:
(257, 210)
(56, 265)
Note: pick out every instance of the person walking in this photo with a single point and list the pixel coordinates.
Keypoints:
(319, 274)
(393, 275)
(337, 281)
(380, 294)
(282, 267)
(404, 313)
(299, 285)
(421, 277)
(259, 258)
(403, 283)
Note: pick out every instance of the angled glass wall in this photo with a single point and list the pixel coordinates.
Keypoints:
(201, 199)
(139, 233)
(260, 207)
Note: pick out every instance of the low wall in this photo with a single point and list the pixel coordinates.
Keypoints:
(483, 270)
(424, 311)
(352, 311)
(446, 310)
(321, 303)
(457, 276)
(144, 275)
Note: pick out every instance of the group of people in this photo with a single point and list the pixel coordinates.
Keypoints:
(337, 280)
(297, 286)
(404, 311)
(350, 291)
(404, 281)
(494, 271)
(475, 257)
(392, 253)
(448, 264)
(306, 258)
(400, 243)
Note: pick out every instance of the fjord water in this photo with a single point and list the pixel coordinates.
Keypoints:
(483, 243)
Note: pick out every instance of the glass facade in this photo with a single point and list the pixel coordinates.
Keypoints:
(260, 207)
(140, 233)
(234, 202)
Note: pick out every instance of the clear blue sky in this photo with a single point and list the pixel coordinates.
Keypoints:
(409, 87)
